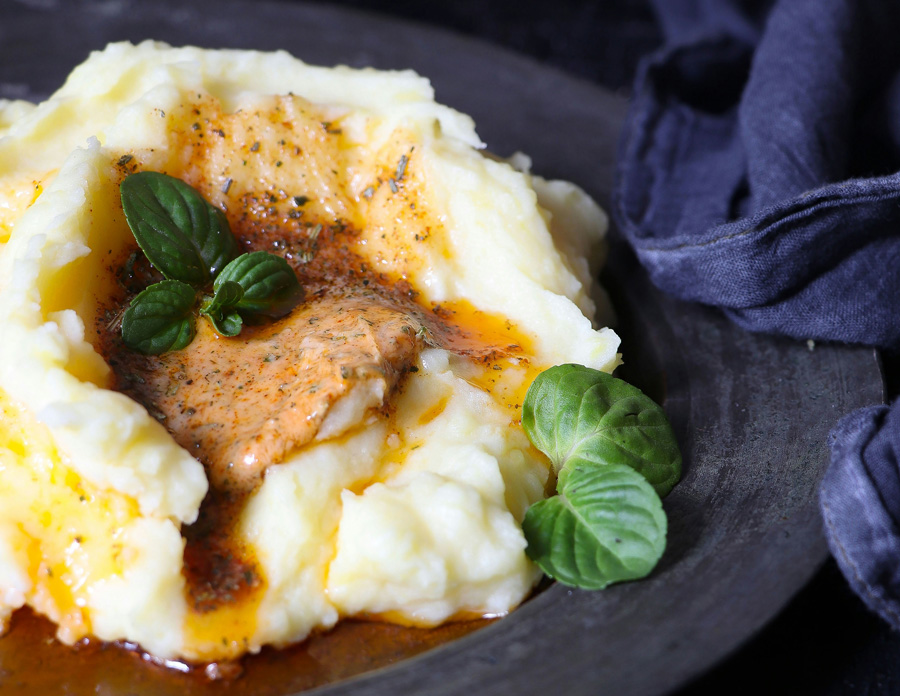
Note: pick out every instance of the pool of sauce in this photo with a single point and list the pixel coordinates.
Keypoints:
(33, 662)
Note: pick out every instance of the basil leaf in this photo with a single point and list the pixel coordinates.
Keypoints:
(160, 318)
(183, 236)
(270, 284)
(606, 525)
(228, 324)
(574, 411)
(220, 308)
(227, 296)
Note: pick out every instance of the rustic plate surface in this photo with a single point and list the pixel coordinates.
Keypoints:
(752, 412)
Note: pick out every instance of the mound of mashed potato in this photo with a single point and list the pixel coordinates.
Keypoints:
(405, 502)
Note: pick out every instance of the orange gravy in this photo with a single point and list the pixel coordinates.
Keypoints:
(33, 662)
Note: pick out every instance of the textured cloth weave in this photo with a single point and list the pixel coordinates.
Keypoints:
(760, 172)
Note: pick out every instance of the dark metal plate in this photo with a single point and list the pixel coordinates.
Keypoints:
(752, 412)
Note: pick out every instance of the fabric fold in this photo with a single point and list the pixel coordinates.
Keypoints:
(759, 172)
(858, 501)
(740, 181)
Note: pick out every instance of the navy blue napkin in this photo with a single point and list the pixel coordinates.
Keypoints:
(760, 172)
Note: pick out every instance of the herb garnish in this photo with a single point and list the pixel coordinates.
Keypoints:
(615, 454)
(401, 168)
(189, 241)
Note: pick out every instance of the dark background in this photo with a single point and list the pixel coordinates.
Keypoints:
(825, 642)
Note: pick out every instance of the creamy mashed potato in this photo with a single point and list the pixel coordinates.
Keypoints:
(407, 505)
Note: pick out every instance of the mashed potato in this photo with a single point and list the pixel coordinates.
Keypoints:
(407, 504)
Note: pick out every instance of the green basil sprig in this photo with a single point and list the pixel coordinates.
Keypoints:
(606, 525)
(160, 319)
(221, 308)
(615, 454)
(191, 244)
(185, 237)
(572, 410)
(269, 283)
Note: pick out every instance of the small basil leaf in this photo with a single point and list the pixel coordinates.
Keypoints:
(270, 284)
(183, 236)
(574, 411)
(228, 295)
(160, 318)
(220, 308)
(606, 525)
(228, 324)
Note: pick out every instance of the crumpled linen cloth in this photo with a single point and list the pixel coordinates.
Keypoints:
(759, 172)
